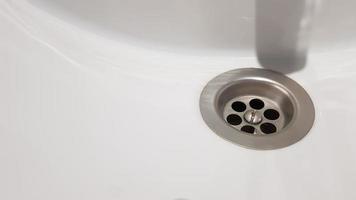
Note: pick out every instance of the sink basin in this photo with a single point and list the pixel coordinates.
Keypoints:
(100, 99)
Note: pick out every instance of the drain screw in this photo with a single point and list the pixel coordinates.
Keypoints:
(253, 117)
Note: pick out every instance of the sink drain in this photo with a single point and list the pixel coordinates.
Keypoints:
(257, 108)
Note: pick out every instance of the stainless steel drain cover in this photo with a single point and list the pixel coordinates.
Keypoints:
(257, 108)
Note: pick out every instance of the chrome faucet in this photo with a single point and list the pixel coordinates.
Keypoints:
(283, 29)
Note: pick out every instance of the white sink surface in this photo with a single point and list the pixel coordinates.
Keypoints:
(93, 106)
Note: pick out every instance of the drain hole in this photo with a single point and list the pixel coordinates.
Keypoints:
(238, 106)
(234, 119)
(268, 128)
(257, 104)
(248, 129)
(271, 114)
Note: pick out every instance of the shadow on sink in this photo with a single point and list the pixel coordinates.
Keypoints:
(280, 37)
(186, 24)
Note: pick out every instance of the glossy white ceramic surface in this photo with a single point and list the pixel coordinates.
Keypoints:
(100, 100)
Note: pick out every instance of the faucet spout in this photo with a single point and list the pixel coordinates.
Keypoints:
(283, 29)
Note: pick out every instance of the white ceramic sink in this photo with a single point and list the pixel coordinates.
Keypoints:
(100, 99)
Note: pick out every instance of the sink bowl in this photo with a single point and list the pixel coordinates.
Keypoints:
(100, 99)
